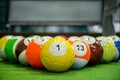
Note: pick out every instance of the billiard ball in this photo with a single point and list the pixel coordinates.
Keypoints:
(95, 48)
(10, 48)
(109, 49)
(33, 53)
(3, 42)
(82, 53)
(20, 50)
(57, 55)
(116, 40)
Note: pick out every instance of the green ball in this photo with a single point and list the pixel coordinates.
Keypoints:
(10, 49)
(109, 49)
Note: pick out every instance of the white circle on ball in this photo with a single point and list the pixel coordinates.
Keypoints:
(89, 39)
(10, 37)
(37, 40)
(27, 41)
(102, 40)
(114, 38)
(80, 48)
(58, 48)
(92, 40)
(73, 38)
(44, 39)
(36, 37)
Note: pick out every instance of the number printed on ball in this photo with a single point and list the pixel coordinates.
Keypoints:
(89, 39)
(27, 41)
(79, 48)
(44, 39)
(58, 48)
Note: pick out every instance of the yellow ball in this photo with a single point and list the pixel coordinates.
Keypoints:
(3, 42)
(109, 49)
(57, 55)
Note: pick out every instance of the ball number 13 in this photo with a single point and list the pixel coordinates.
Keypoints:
(80, 47)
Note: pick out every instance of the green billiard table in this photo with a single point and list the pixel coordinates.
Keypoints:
(11, 71)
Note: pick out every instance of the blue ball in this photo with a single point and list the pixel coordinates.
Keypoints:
(116, 40)
(117, 44)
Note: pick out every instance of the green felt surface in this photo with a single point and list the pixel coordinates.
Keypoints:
(10, 71)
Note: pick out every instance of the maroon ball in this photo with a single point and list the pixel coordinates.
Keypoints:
(95, 48)
(19, 48)
(96, 53)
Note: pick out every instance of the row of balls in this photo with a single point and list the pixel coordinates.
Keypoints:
(59, 53)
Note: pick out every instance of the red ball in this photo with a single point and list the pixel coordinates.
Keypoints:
(33, 52)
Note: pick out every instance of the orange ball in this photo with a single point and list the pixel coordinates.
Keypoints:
(82, 53)
(33, 52)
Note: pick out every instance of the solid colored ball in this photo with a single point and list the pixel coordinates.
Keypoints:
(95, 48)
(10, 48)
(3, 42)
(82, 54)
(57, 55)
(109, 49)
(33, 53)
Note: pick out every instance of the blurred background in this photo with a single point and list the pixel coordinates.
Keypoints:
(59, 16)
